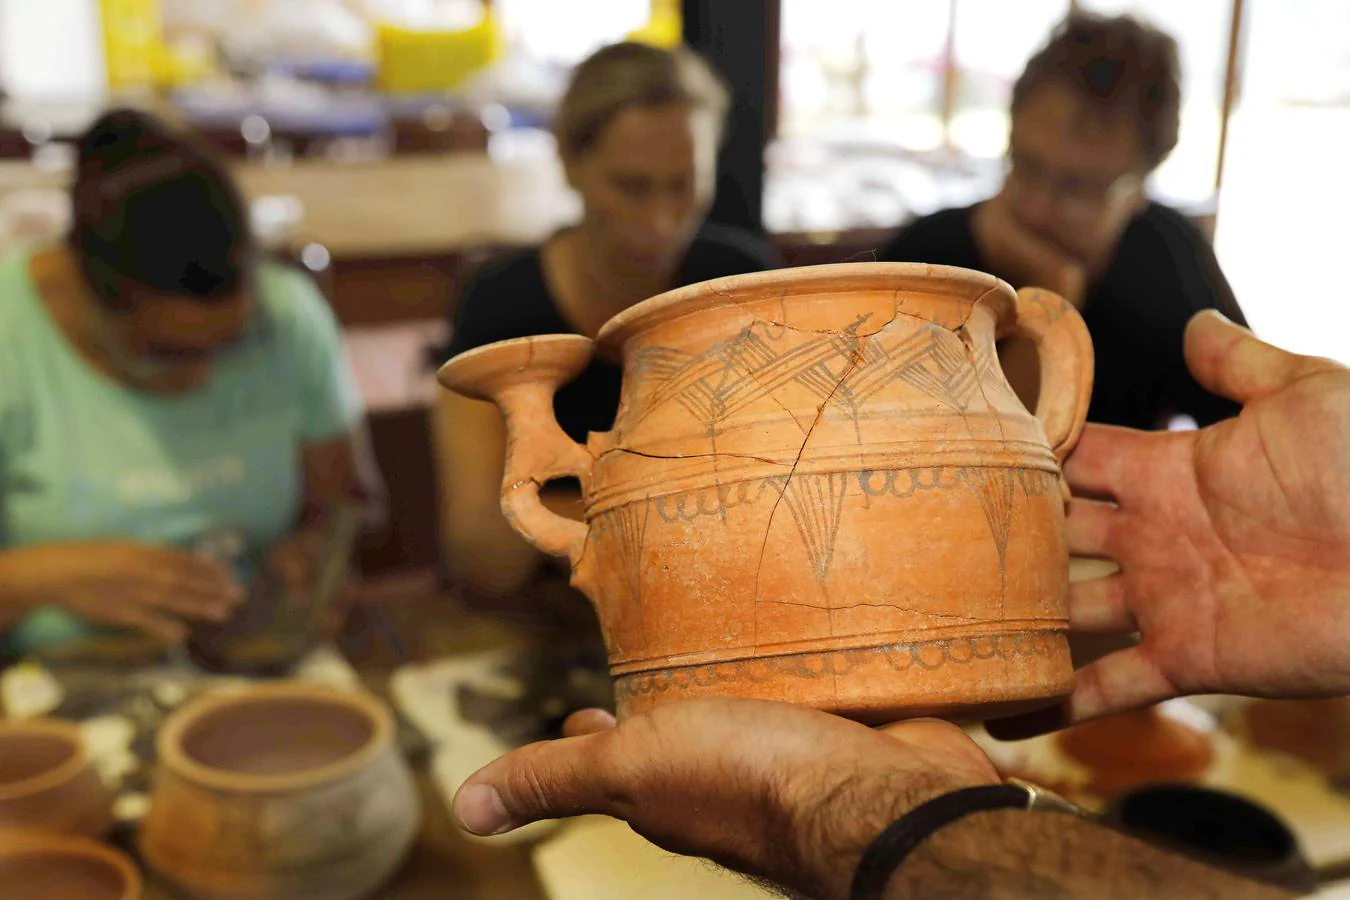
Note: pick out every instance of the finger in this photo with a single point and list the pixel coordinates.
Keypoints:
(1126, 679)
(201, 579)
(588, 721)
(166, 628)
(918, 731)
(1102, 462)
(167, 598)
(1098, 606)
(1228, 359)
(1090, 527)
(547, 780)
(1029, 725)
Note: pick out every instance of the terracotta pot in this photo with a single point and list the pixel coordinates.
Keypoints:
(39, 866)
(280, 792)
(47, 782)
(819, 488)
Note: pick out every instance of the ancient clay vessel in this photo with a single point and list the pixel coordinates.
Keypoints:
(280, 792)
(819, 488)
(39, 866)
(46, 780)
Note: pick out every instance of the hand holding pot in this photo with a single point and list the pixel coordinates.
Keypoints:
(1233, 541)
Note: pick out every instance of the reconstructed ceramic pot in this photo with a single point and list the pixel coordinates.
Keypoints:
(40, 866)
(819, 488)
(280, 792)
(47, 782)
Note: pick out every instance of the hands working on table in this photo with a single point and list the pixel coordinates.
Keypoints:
(159, 591)
(1234, 551)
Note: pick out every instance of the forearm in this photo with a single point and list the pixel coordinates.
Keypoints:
(1006, 854)
(20, 591)
(1000, 855)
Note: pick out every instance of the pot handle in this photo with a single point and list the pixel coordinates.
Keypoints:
(521, 376)
(1065, 351)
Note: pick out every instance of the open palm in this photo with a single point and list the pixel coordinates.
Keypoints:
(1233, 541)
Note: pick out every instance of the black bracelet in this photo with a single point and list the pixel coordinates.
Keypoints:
(885, 854)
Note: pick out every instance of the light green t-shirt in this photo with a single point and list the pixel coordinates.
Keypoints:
(83, 457)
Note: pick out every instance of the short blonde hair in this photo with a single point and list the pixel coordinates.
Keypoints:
(629, 74)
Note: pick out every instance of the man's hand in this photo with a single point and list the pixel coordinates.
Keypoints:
(1026, 259)
(1233, 541)
(777, 791)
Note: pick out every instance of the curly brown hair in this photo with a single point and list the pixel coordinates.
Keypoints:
(1119, 65)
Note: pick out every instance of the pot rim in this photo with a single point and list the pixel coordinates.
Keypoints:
(173, 757)
(18, 843)
(833, 278)
(56, 776)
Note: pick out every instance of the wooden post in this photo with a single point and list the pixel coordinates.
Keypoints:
(1232, 76)
(741, 41)
(950, 76)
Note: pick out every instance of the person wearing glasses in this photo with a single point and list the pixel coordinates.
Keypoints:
(162, 387)
(1093, 114)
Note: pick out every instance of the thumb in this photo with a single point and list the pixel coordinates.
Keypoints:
(547, 780)
(1229, 360)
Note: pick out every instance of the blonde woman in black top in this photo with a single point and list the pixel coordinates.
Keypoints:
(638, 130)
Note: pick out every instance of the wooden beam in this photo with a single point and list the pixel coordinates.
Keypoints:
(950, 76)
(773, 65)
(1231, 80)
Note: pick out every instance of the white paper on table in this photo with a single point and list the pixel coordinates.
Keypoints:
(598, 858)
(425, 694)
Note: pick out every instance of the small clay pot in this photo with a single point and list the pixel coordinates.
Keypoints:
(39, 866)
(283, 791)
(47, 782)
(1217, 827)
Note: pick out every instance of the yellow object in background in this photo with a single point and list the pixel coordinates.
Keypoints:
(665, 28)
(427, 61)
(131, 41)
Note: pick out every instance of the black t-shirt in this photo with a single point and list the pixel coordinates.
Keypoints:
(512, 299)
(1163, 273)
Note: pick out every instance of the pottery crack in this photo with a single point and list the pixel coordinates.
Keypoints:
(970, 312)
(855, 358)
(769, 393)
(967, 343)
(678, 456)
(850, 329)
(895, 606)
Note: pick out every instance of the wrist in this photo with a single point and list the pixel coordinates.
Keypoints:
(838, 824)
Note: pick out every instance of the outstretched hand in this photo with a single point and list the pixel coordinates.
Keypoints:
(1233, 541)
(777, 791)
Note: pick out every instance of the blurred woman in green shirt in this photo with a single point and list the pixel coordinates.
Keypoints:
(160, 385)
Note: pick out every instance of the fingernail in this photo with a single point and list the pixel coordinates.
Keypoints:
(480, 811)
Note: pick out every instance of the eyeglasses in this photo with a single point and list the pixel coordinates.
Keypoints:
(1077, 196)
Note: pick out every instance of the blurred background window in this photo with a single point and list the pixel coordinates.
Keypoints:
(878, 110)
(1285, 180)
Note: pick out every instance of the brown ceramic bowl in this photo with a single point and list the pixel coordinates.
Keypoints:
(282, 791)
(47, 782)
(38, 866)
